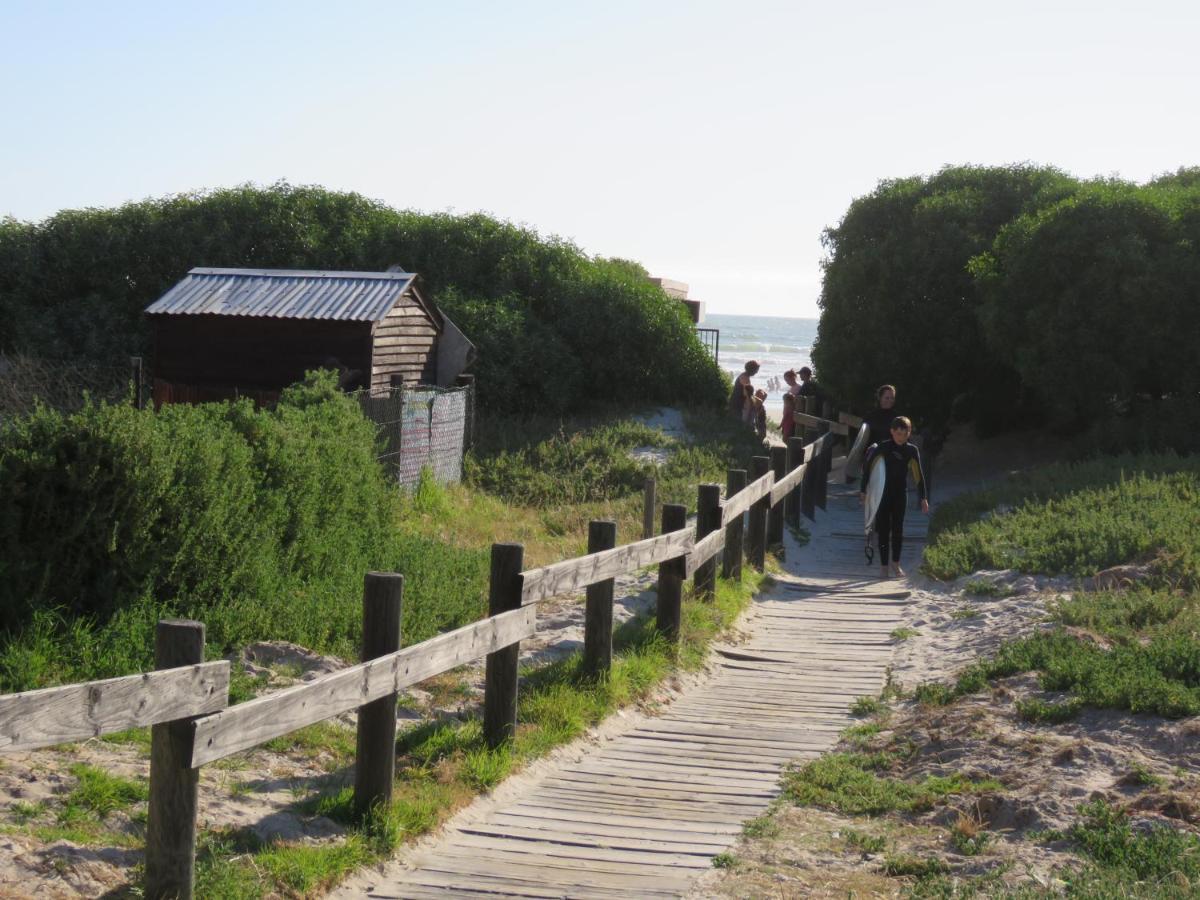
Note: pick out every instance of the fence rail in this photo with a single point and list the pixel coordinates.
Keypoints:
(186, 700)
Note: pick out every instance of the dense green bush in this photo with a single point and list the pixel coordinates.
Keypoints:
(1012, 295)
(898, 303)
(259, 523)
(1093, 301)
(558, 329)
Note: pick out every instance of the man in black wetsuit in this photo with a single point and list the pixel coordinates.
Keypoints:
(899, 458)
(880, 418)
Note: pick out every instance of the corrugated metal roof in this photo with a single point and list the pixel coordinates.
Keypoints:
(285, 294)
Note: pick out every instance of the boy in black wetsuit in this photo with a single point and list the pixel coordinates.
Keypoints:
(899, 459)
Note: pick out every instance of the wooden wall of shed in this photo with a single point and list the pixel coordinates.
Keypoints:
(253, 353)
(404, 346)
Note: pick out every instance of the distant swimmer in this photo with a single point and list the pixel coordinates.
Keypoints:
(899, 459)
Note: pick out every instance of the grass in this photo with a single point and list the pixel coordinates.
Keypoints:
(903, 634)
(867, 706)
(724, 861)
(1075, 519)
(1156, 861)
(850, 783)
(863, 842)
(964, 612)
(967, 836)
(1042, 712)
(902, 865)
(978, 588)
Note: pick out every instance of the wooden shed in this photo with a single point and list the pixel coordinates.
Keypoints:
(223, 332)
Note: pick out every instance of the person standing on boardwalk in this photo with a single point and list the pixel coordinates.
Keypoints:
(741, 400)
(880, 418)
(787, 423)
(899, 459)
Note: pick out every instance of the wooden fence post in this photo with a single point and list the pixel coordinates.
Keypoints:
(500, 674)
(775, 517)
(139, 386)
(375, 761)
(171, 825)
(808, 485)
(708, 520)
(467, 380)
(757, 533)
(731, 558)
(671, 574)
(598, 613)
(795, 459)
(826, 457)
(649, 500)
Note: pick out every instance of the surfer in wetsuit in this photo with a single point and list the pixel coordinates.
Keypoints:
(880, 418)
(899, 458)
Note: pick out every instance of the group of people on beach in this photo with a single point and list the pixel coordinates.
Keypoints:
(748, 404)
(888, 442)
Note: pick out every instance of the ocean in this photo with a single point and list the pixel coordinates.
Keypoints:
(778, 343)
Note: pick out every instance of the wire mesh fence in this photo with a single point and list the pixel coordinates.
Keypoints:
(65, 385)
(421, 427)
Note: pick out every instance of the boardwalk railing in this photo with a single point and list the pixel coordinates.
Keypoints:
(186, 700)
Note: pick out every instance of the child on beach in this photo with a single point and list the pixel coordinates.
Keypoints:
(899, 458)
(760, 414)
(787, 422)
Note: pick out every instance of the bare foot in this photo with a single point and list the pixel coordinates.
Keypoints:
(897, 572)
(883, 572)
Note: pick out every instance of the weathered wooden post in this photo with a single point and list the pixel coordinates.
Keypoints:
(671, 574)
(731, 558)
(171, 825)
(708, 520)
(808, 484)
(375, 763)
(826, 457)
(139, 384)
(649, 500)
(500, 674)
(757, 533)
(598, 612)
(467, 380)
(775, 516)
(795, 459)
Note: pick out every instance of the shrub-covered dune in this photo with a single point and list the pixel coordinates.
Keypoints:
(556, 328)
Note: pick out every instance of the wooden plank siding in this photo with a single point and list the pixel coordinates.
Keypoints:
(404, 346)
(252, 352)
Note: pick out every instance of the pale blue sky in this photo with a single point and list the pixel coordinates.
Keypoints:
(712, 141)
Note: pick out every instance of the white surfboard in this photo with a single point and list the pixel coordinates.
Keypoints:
(854, 458)
(874, 494)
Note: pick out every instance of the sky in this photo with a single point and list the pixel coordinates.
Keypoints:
(711, 141)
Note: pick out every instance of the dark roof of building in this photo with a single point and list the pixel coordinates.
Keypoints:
(285, 294)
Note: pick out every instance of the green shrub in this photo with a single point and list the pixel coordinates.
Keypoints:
(1075, 519)
(261, 524)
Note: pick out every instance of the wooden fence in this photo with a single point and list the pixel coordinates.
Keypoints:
(185, 700)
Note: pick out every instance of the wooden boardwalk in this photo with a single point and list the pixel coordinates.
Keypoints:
(644, 814)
